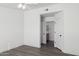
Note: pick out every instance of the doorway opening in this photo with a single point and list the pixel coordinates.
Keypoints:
(47, 31)
(52, 30)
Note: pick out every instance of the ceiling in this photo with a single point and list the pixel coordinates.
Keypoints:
(31, 6)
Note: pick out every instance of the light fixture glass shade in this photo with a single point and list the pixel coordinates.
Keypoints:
(24, 7)
(20, 5)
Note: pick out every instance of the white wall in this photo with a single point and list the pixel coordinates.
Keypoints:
(32, 29)
(12, 24)
(59, 30)
(71, 29)
(51, 30)
(11, 28)
(32, 26)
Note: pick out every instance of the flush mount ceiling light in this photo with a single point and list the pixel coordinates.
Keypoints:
(20, 5)
(24, 5)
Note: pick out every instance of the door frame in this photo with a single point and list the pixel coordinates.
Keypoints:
(41, 25)
(42, 30)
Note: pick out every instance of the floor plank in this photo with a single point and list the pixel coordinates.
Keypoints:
(32, 51)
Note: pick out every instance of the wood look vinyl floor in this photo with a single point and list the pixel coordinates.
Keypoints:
(32, 51)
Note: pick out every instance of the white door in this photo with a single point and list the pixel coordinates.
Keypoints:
(56, 40)
(59, 32)
(43, 31)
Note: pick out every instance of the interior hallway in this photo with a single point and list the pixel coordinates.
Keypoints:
(32, 51)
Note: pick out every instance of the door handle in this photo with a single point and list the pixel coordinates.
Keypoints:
(60, 35)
